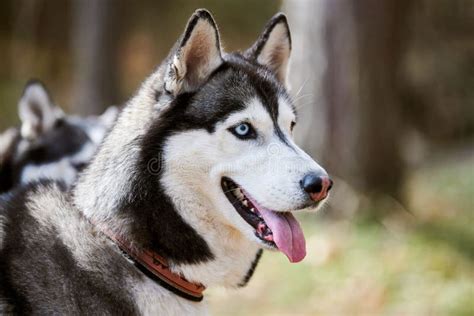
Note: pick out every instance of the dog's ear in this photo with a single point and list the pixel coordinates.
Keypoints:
(273, 47)
(7, 145)
(36, 110)
(109, 116)
(197, 55)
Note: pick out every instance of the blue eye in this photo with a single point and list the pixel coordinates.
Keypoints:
(243, 131)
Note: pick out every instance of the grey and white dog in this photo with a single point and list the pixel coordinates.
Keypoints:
(200, 168)
(49, 144)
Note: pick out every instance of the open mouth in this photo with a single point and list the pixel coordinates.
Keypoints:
(274, 229)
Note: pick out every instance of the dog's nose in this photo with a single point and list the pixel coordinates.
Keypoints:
(316, 186)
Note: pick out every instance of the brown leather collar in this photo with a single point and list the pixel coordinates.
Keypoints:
(156, 267)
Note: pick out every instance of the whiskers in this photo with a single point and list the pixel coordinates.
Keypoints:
(299, 96)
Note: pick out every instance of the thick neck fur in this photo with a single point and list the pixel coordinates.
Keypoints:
(119, 191)
(232, 252)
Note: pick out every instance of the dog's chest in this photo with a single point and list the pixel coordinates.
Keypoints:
(152, 299)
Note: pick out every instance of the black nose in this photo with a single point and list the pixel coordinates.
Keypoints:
(316, 186)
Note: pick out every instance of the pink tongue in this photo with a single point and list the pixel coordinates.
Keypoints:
(287, 233)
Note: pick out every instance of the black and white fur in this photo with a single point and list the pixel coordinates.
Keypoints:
(49, 144)
(156, 179)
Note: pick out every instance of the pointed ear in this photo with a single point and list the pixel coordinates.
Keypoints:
(109, 116)
(197, 55)
(36, 110)
(273, 47)
(8, 140)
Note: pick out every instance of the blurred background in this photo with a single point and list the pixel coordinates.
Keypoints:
(385, 93)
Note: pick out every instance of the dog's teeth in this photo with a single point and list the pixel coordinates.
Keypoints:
(239, 194)
(245, 202)
(268, 237)
(252, 210)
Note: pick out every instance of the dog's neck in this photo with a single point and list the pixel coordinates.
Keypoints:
(116, 191)
(233, 254)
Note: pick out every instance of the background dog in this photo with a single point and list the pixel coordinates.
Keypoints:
(49, 144)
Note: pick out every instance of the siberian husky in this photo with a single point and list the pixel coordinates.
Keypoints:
(49, 144)
(197, 176)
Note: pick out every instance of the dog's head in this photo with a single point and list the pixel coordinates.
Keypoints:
(201, 165)
(49, 144)
(227, 123)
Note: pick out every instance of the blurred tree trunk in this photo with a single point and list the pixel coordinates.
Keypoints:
(380, 34)
(340, 82)
(352, 57)
(307, 67)
(94, 41)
